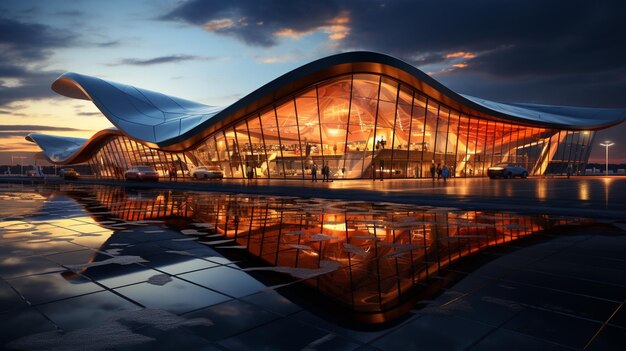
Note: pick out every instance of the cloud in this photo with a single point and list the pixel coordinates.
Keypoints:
(284, 57)
(39, 128)
(158, 60)
(28, 84)
(546, 47)
(24, 47)
(30, 41)
(263, 23)
(89, 114)
(22, 130)
(70, 13)
(109, 44)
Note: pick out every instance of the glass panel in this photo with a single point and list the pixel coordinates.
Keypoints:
(441, 135)
(384, 135)
(360, 141)
(430, 131)
(290, 140)
(255, 131)
(234, 155)
(461, 155)
(453, 130)
(416, 138)
(272, 144)
(334, 104)
(388, 90)
(480, 147)
(222, 152)
(400, 142)
(246, 155)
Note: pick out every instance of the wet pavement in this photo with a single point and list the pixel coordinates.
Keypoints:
(101, 267)
(585, 196)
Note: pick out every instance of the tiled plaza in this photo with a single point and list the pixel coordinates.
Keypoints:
(95, 267)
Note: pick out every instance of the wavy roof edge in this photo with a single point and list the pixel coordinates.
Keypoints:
(175, 124)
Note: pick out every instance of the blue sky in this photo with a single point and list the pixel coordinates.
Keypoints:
(215, 52)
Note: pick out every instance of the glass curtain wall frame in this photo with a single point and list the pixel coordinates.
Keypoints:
(359, 124)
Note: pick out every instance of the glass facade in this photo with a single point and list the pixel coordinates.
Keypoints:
(360, 125)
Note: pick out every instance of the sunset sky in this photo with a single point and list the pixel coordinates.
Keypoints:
(215, 52)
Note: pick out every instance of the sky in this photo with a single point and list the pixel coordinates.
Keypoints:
(216, 52)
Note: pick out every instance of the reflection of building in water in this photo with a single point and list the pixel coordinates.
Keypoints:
(352, 112)
(370, 258)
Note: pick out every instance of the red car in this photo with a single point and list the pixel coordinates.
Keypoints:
(142, 173)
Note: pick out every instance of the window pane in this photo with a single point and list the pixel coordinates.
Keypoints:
(289, 137)
(258, 147)
(272, 144)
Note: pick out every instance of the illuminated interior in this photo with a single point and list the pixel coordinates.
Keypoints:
(359, 125)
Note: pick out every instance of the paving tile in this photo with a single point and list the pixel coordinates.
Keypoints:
(173, 339)
(512, 341)
(273, 301)
(114, 275)
(485, 309)
(24, 322)
(580, 270)
(229, 318)
(187, 264)
(9, 299)
(558, 328)
(86, 310)
(226, 280)
(610, 338)
(582, 306)
(434, 333)
(285, 334)
(13, 267)
(570, 284)
(48, 287)
(177, 296)
(73, 258)
(619, 318)
(362, 336)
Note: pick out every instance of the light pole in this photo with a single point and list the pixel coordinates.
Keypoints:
(606, 144)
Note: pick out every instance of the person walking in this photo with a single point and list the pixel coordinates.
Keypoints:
(570, 170)
(313, 173)
(438, 171)
(249, 172)
(432, 171)
(445, 172)
(326, 173)
(172, 172)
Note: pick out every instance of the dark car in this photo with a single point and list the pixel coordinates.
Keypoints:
(142, 173)
(69, 173)
(507, 170)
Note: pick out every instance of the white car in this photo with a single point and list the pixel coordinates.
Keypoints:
(207, 172)
(507, 170)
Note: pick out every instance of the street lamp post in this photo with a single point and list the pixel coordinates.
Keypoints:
(606, 144)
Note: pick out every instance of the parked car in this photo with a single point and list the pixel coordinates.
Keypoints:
(507, 170)
(68, 173)
(207, 172)
(142, 173)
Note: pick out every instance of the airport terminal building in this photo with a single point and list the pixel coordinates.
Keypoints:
(360, 113)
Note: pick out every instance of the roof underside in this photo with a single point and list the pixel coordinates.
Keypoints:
(175, 124)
